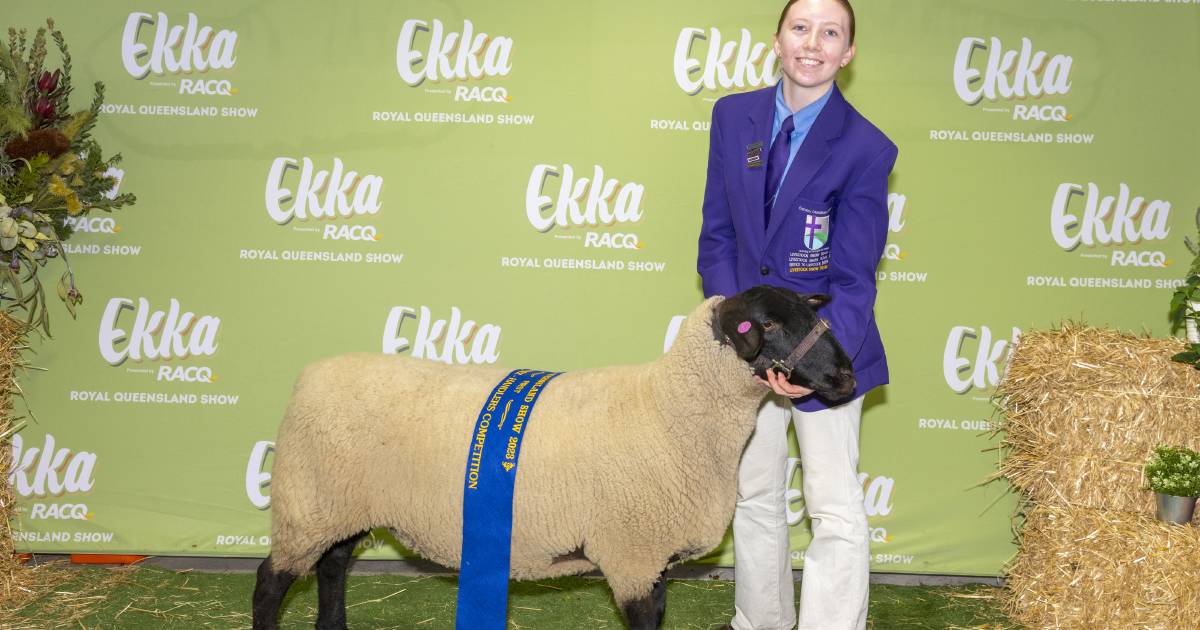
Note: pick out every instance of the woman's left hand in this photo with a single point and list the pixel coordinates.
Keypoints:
(779, 384)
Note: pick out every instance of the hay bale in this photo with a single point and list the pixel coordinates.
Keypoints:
(30, 593)
(12, 342)
(1087, 568)
(1083, 409)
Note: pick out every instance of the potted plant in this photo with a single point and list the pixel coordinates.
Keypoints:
(1185, 305)
(1173, 473)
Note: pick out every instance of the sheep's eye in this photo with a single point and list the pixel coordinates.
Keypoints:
(768, 324)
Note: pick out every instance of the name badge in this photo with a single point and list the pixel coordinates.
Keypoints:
(754, 155)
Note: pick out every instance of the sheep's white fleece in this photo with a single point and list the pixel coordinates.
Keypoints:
(626, 468)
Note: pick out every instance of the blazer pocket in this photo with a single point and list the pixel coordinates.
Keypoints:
(808, 240)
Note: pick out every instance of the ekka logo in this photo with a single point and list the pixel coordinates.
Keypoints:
(152, 45)
(50, 470)
(174, 334)
(455, 341)
(737, 64)
(985, 71)
(1083, 215)
(427, 51)
(990, 358)
(598, 201)
(258, 478)
(896, 203)
(319, 194)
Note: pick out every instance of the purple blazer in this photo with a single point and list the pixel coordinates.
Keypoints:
(828, 226)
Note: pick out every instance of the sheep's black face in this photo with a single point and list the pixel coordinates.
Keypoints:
(764, 324)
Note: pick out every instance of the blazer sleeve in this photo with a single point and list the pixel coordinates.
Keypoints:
(717, 257)
(857, 245)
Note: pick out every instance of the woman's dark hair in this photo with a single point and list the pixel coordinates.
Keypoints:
(845, 5)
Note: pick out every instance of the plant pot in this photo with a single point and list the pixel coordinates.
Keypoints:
(1193, 330)
(1173, 509)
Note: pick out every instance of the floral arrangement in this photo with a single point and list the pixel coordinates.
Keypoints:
(1185, 297)
(50, 170)
(1175, 471)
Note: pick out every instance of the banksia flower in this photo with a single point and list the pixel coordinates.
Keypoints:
(48, 141)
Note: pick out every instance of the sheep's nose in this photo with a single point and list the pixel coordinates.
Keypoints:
(846, 381)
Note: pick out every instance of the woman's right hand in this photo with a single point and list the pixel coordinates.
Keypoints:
(779, 384)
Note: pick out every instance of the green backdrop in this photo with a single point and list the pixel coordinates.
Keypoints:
(317, 178)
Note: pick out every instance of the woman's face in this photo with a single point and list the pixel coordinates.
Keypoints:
(814, 42)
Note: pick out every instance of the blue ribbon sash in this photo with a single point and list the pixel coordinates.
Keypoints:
(487, 499)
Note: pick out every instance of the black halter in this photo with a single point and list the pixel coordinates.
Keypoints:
(801, 349)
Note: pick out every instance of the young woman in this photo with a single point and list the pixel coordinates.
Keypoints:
(797, 197)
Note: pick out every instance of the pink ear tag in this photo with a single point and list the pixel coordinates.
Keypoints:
(744, 327)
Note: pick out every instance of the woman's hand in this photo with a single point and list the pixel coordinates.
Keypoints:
(779, 384)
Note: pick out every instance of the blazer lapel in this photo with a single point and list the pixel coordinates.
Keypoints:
(757, 129)
(812, 155)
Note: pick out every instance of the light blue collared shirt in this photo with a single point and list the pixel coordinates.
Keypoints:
(803, 120)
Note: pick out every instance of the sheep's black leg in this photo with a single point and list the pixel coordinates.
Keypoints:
(269, 589)
(647, 613)
(331, 584)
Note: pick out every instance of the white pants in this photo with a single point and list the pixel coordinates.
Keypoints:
(833, 593)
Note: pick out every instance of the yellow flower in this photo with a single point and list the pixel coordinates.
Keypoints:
(58, 187)
(73, 127)
(69, 164)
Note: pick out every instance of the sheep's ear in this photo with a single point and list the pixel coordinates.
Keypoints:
(815, 300)
(737, 327)
(749, 343)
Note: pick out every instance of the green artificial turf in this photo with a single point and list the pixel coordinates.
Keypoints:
(156, 598)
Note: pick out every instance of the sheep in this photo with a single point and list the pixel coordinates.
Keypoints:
(628, 469)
